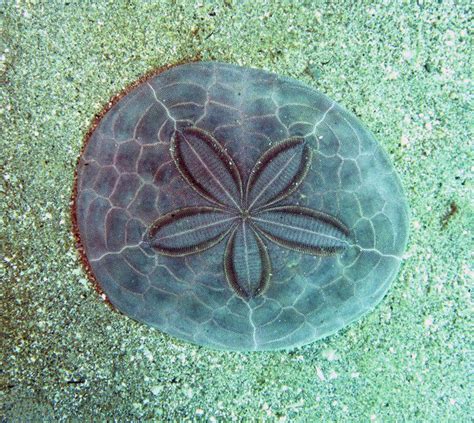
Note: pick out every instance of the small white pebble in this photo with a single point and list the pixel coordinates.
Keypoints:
(320, 373)
(147, 353)
(330, 355)
(448, 72)
(155, 390)
(392, 74)
(450, 37)
(428, 321)
(407, 55)
(405, 141)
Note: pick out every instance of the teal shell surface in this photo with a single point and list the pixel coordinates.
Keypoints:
(237, 209)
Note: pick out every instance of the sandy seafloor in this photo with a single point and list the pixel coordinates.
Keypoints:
(402, 67)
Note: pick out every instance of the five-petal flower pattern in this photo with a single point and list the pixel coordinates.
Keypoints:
(246, 214)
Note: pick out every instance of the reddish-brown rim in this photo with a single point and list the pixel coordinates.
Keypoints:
(95, 122)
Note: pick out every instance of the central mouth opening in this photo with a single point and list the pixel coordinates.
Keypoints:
(244, 214)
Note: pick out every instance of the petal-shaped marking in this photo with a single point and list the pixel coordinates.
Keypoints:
(189, 230)
(207, 167)
(278, 173)
(302, 229)
(246, 262)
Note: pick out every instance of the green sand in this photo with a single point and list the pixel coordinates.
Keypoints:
(402, 69)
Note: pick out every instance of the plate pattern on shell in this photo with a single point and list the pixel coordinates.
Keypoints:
(205, 199)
